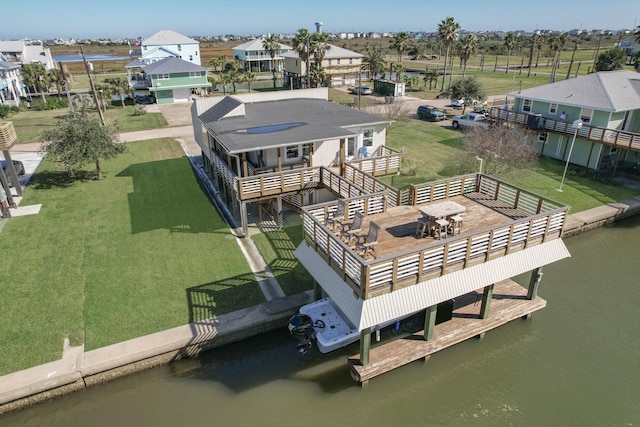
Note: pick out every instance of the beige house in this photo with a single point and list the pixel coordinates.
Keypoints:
(341, 66)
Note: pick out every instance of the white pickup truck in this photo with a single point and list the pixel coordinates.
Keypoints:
(470, 120)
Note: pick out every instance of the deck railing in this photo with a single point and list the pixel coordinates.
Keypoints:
(369, 278)
(373, 185)
(613, 137)
(269, 184)
(385, 161)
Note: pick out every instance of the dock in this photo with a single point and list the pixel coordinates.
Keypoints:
(509, 302)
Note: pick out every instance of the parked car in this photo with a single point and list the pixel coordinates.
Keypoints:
(457, 103)
(364, 90)
(18, 166)
(428, 112)
(470, 120)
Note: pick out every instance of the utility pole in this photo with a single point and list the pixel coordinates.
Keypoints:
(93, 88)
(66, 88)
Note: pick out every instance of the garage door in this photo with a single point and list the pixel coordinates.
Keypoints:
(181, 95)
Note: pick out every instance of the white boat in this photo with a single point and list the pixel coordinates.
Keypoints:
(332, 330)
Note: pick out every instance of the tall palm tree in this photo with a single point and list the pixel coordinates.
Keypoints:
(400, 42)
(271, 45)
(447, 33)
(466, 49)
(317, 74)
(103, 93)
(509, 43)
(82, 101)
(302, 45)
(319, 46)
(558, 44)
(541, 40)
(374, 62)
(397, 69)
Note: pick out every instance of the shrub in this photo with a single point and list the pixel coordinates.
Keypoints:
(4, 111)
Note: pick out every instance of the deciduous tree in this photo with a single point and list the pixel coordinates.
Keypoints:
(78, 140)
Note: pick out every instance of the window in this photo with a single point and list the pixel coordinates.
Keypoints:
(586, 114)
(351, 146)
(292, 152)
(190, 57)
(367, 138)
(195, 74)
(164, 76)
(526, 105)
(542, 137)
(553, 109)
(350, 61)
(338, 61)
(329, 61)
(179, 48)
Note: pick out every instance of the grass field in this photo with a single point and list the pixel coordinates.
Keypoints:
(29, 125)
(106, 261)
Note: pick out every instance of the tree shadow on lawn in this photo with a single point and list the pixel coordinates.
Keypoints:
(46, 180)
(165, 197)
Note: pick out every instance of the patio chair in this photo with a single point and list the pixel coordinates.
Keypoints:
(423, 228)
(333, 219)
(367, 246)
(441, 228)
(351, 230)
(455, 222)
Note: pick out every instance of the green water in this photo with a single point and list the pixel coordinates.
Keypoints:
(576, 363)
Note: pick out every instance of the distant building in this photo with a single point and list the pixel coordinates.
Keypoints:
(11, 86)
(255, 58)
(340, 65)
(168, 43)
(26, 52)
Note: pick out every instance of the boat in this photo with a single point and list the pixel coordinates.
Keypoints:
(321, 321)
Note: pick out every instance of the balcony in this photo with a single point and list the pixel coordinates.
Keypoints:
(617, 138)
(499, 219)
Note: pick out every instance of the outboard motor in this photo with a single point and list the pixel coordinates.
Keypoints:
(301, 327)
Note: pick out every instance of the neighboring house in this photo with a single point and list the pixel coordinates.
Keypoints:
(170, 80)
(608, 105)
(260, 147)
(11, 86)
(168, 43)
(25, 52)
(341, 66)
(254, 58)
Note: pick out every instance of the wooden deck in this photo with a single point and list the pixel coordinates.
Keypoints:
(509, 302)
(398, 224)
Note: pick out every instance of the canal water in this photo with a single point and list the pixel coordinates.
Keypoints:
(577, 362)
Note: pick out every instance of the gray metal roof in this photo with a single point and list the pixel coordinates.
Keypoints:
(605, 91)
(333, 52)
(7, 65)
(386, 307)
(172, 65)
(164, 37)
(285, 122)
(219, 110)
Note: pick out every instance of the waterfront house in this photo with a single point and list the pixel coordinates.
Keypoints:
(287, 147)
(256, 59)
(486, 231)
(607, 105)
(26, 52)
(341, 66)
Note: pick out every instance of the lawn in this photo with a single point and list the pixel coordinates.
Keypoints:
(29, 125)
(434, 152)
(106, 261)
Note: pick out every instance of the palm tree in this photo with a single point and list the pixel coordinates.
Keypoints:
(249, 77)
(541, 40)
(120, 87)
(35, 75)
(82, 101)
(400, 42)
(447, 33)
(466, 49)
(374, 62)
(302, 45)
(398, 69)
(319, 46)
(509, 43)
(557, 46)
(317, 75)
(271, 45)
(104, 94)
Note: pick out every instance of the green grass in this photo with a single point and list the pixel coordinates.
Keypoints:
(106, 261)
(276, 247)
(433, 152)
(29, 125)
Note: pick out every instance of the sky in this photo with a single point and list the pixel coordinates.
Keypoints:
(77, 19)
